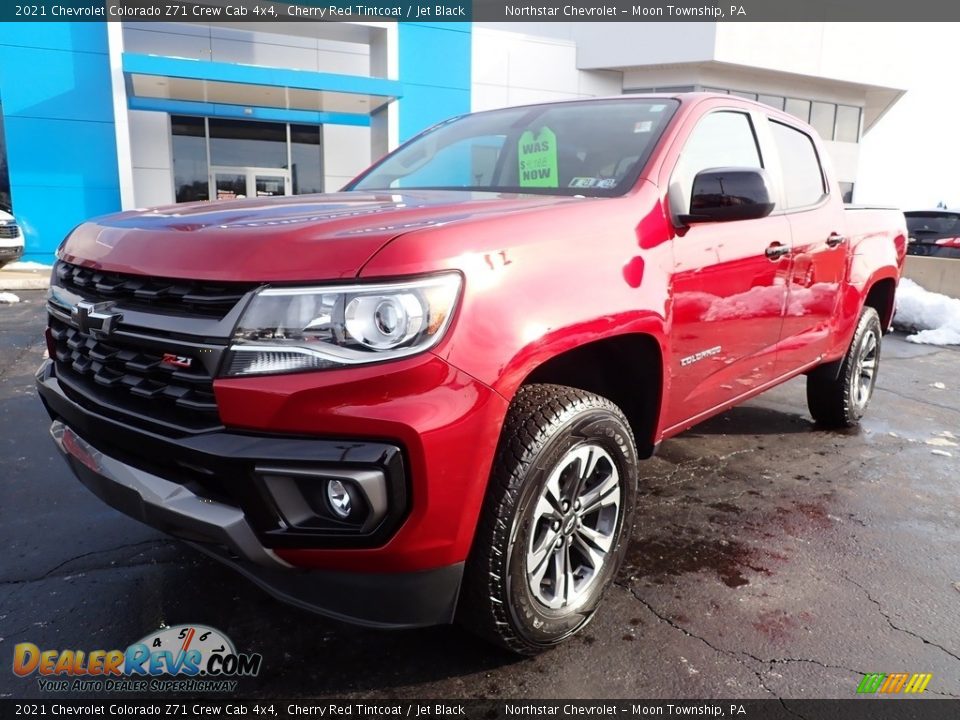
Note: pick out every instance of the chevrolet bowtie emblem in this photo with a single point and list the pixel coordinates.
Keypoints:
(95, 318)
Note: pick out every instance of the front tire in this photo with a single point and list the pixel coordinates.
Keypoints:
(840, 401)
(556, 520)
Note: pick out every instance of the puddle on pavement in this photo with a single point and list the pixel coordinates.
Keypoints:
(731, 513)
(657, 559)
(779, 626)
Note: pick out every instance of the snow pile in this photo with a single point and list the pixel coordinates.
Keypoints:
(10, 298)
(27, 265)
(935, 316)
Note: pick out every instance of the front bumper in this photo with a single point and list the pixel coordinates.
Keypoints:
(416, 599)
(9, 253)
(221, 528)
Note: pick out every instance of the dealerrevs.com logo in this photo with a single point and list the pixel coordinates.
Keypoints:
(184, 658)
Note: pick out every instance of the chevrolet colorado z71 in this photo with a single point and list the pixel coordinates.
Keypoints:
(425, 398)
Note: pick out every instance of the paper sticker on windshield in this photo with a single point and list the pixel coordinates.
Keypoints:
(583, 182)
(538, 159)
(644, 126)
(607, 183)
(657, 108)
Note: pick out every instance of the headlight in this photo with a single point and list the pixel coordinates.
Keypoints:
(312, 328)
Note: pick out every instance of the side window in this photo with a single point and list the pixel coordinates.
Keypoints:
(721, 139)
(802, 174)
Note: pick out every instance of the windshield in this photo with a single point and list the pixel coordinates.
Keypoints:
(580, 148)
(933, 224)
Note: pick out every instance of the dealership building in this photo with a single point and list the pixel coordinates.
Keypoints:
(99, 117)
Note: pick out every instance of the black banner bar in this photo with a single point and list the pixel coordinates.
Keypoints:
(855, 709)
(478, 10)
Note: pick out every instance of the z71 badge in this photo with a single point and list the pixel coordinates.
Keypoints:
(179, 361)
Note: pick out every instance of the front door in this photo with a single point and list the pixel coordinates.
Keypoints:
(728, 290)
(230, 183)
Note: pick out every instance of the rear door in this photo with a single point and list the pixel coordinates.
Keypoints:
(728, 290)
(818, 263)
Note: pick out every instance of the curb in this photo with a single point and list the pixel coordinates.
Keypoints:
(38, 282)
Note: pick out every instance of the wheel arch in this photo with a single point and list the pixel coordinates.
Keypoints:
(879, 293)
(626, 369)
(881, 296)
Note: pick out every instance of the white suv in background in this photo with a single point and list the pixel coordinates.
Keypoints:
(11, 238)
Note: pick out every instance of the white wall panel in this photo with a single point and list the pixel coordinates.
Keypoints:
(346, 151)
(332, 183)
(250, 53)
(248, 47)
(511, 68)
(528, 96)
(546, 65)
(488, 97)
(152, 187)
(150, 139)
(152, 42)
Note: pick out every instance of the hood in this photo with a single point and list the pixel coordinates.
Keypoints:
(296, 238)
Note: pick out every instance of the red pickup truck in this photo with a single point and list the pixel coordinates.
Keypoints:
(426, 398)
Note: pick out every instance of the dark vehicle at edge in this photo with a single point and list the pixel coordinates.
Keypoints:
(934, 233)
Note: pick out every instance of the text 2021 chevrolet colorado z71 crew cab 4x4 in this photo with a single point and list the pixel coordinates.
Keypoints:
(425, 398)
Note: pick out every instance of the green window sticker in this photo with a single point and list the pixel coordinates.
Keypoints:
(538, 159)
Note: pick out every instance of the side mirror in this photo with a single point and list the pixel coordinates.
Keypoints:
(725, 194)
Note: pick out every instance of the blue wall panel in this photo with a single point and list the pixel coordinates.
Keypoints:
(134, 63)
(58, 118)
(243, 112)
(435, 72)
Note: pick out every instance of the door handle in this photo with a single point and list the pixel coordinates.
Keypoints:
(776, 251)
(835, 239)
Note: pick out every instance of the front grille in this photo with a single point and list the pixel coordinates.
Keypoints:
(190, 297)
(9, 231)
(119, 379)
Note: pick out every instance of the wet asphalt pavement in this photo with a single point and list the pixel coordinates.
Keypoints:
(770, 559)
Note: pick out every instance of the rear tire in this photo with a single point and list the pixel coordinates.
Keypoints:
(555, 522)
(840, 400)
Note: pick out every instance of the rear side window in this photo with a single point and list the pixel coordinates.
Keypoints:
(802, 174)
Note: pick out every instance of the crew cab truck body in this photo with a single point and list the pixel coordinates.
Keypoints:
(426, 398)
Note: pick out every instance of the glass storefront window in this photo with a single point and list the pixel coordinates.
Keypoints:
(230, 186)
(191, 179)
(822, 116)
(833, 122)
(775, 101)
(306, 159)
(848, 123)
(244, 143)
(240, 150)
(798, 108)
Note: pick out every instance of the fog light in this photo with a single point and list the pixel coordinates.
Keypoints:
(339, 498)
